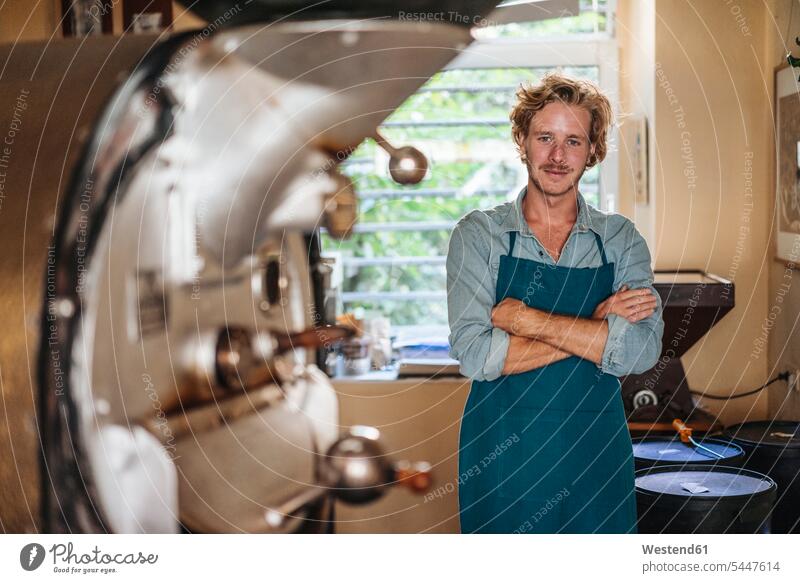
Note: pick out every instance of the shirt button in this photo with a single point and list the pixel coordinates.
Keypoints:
(541, 253)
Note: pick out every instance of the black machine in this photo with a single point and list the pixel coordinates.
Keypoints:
(703, 499)
(773, 448)
(693, 301)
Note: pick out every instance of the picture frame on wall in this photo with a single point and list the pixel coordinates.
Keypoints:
(636, 142)
(787, 190)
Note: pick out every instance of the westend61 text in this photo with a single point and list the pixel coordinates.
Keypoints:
(675, 550)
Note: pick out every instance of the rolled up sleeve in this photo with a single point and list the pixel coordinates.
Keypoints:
(633, 348)
(479, 347)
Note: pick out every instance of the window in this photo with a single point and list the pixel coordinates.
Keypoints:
(395, 261)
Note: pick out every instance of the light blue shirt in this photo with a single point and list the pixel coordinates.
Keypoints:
(473, 259)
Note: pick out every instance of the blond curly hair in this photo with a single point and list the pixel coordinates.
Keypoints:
(555, 87)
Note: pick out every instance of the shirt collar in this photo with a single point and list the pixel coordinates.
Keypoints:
(515, 220)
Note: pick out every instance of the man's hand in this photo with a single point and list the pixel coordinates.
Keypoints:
(633, 305)
(507, 315)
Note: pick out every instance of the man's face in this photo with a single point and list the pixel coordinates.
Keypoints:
(557, 148)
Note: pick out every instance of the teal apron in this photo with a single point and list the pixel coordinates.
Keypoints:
(548, 450)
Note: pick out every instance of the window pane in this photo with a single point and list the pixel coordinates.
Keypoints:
(395, 278)
(592, 19)
(407, 313)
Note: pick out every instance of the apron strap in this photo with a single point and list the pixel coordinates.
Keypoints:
(512, 238)
(600, 247)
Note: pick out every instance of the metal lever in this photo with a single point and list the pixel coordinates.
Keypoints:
(355, 470)
(407, 165)
(686, 437)
(221, 365)
(243, 357)
(277, 516)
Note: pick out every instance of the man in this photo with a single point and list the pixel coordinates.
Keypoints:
(549, 301)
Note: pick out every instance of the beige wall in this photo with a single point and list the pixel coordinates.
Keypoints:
(27, 20)
(635, 26)
(419, 421)
(182, 19)
(784, 339)
(711, 80)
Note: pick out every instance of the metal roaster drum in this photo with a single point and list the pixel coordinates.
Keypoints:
(159, 300)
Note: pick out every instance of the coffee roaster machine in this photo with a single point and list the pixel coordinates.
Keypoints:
(693, 302)
(158, 295)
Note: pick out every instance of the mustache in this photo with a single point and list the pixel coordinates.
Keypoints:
(555, 168)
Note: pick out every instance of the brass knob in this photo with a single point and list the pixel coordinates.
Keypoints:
(340, 207)
(355, 470)
(416, 477)
(407, 164)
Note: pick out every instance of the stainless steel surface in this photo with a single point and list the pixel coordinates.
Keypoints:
(326, 86)
(183, 182)
(407, 165)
